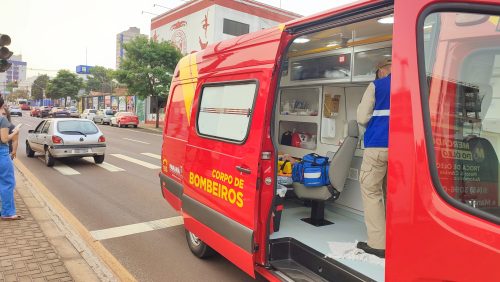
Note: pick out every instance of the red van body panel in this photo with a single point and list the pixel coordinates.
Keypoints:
(427, 238)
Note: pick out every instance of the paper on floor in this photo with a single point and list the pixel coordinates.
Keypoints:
(347, 250)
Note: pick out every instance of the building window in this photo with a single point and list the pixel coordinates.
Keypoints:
(462, 88)
(235, 28)
(226, 110)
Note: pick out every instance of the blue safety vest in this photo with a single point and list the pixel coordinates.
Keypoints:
(377, 131)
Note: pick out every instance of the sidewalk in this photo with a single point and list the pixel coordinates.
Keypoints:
(152, 127)
(34, 249)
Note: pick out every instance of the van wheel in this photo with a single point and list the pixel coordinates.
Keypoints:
(99, 159)
(197, 246)
(29, 152)
(49, 159)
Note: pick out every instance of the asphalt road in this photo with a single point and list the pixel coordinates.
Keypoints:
(124, 192)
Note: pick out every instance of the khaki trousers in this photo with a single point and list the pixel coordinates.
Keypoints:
(373, 172)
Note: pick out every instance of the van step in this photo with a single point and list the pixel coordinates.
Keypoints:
(302, 263)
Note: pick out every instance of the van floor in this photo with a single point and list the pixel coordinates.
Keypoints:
(345, 229)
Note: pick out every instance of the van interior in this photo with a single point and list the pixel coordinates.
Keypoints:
(323, 79)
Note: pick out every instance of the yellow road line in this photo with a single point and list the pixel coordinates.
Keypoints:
(118, 269)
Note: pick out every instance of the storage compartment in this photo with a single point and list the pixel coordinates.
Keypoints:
(300, 101)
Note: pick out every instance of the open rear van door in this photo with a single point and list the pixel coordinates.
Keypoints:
(443, 210)
(222, 172)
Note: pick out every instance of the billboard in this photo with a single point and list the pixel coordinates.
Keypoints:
(82, 69)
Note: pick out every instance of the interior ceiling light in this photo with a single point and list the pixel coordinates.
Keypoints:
(301, 40)
(386, 20)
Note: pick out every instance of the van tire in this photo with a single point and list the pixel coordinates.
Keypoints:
(99, 159)
(197, 246)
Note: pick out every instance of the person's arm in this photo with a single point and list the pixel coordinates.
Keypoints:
(365, 108)
(4, 131)
(15, 144)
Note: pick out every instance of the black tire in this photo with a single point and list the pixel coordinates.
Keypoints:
(99, 159)
(135, 125)
(29, 152)
(49, 159)
(197, 246)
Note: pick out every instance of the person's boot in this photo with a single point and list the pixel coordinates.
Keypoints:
(369, 250)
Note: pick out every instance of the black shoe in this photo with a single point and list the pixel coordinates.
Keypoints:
(369, 250)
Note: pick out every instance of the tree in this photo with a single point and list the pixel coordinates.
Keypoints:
(39, 85)
(147, 68)
(100, 79)
(65, 84)
(11, 85)
(17, 94)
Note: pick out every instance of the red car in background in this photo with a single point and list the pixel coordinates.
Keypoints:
(125, 119)
(35, 112)
(25, 107)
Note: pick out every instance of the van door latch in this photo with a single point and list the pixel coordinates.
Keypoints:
(243, 169)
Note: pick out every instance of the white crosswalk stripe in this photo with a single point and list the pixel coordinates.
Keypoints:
(136, 161)
(125, 230)
(137, 141)
(105, 165)
(65, 170)
(152, 155)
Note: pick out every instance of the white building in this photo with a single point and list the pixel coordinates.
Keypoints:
(198, 23)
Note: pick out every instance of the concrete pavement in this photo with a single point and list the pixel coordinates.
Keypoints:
(35, 249)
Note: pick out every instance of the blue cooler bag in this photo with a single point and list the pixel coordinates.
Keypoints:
(312, 171)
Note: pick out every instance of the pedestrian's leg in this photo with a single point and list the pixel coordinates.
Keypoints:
(7, 185)
(373, 170)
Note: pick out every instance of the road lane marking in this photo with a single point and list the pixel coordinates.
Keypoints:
(142, 227)
(138, 141)
(105, 165)
(136, 161)
(152, 155)
(65, 170)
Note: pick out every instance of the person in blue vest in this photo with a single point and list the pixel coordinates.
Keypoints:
(373, 113)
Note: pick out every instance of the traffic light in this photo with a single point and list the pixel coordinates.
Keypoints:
(5, 53)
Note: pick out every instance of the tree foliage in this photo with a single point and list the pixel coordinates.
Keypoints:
(100, 79)
(65, 84)
(39, 85)
(148, 67)
(18, 94)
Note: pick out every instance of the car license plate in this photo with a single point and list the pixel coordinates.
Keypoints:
(81, 151)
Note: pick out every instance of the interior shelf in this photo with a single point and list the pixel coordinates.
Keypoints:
(300, 118)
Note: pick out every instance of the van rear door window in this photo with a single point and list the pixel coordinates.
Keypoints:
(462, 77)
(225, 111)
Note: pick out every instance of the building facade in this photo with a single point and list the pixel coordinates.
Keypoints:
(196, 24)
(122, 38)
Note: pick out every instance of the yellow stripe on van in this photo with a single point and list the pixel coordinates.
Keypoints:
(189, 79)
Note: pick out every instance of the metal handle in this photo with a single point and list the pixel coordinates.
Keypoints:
(243, 170)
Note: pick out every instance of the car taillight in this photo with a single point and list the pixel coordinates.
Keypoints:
(102, 139)
(56, 139)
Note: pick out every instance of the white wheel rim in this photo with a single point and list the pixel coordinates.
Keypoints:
(194, 239)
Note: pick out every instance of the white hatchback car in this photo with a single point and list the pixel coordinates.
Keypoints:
(68, 137)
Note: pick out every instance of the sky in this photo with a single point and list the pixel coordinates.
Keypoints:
(61, 34)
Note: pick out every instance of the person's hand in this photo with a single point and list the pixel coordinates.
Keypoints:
(13, 155)
(15, 131)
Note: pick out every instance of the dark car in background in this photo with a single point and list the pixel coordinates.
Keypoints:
(56, 112)
(44, 111)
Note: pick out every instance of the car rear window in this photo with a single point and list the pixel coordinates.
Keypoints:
(109, 112)
(92, 111)
(76, 127)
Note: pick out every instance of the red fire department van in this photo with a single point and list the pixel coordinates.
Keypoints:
(233, 106)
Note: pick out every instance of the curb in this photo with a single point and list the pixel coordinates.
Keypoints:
(96, 258)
